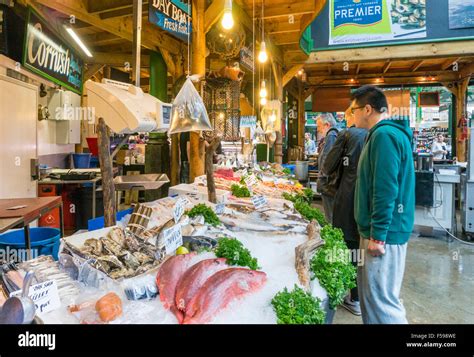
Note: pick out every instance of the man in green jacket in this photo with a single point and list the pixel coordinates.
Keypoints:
(384, 206)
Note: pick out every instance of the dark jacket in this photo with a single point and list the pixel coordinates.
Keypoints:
(326, 183)
(385, 189)
(342, 160)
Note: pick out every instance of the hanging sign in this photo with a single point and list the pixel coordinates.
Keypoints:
(246, 58)
(248, 121)
(356, 21)
(47, 55)
(172, 16)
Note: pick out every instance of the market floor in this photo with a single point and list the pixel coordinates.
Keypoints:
(438, 285)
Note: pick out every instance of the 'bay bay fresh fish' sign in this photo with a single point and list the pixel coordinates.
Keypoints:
(49, 56)
(173, 16)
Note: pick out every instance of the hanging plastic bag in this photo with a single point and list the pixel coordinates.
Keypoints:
(188, 112)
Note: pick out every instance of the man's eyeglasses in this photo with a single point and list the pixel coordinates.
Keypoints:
(354, 109)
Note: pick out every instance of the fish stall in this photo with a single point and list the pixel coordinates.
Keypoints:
(250, 259)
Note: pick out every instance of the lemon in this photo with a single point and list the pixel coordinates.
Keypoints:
(182, 250)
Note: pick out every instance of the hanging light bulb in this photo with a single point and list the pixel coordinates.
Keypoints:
(227, 18)
(263, 90)
(262, 55)
(263, 101)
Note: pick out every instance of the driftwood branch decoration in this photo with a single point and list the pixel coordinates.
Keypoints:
(304, 252)
(108, 187)
(211, 186)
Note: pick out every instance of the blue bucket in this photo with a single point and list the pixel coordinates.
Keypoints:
(44, 241)
(289, 166)
(82, 161)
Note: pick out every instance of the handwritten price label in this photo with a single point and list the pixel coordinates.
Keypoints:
(173, 239)
(44, 295)
(251, 180)
(178, 209)
(259, 201)
(220, 207)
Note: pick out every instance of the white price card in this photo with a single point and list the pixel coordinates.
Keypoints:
(44, 295)
(259, 201)
(250, 180)
(220, 207)
(178, 209)
(173, 238)
(244, 172)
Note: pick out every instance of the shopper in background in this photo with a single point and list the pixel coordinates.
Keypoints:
(384, 206)
(439, 148)
(342, 160)
(309, 145)
(327, 128)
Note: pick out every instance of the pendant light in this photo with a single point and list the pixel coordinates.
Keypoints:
(263, 101)
(227, 18)
(263, 90)
(262, 55)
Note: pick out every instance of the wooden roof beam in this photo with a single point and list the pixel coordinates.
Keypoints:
(449, 62)
(386, 66)
(213, 13)
(113, 59)
(98, 6)
(417, 65)
(291, 73)
(280, 10)
(152, 37)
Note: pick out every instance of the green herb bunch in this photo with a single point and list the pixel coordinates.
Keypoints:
(209, 215)
(332, 266)
(310, 213)
(286, 171)
(235, 253)
(240, 191)
(306, 196)
(297, 307)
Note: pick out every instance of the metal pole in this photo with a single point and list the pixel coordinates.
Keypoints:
(137, 38)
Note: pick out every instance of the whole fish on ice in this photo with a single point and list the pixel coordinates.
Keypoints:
(219, 290)
(194, 278)
(167, 278)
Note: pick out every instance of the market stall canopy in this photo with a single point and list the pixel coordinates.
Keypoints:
(126, 109)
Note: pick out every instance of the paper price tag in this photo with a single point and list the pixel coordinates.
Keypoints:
(178, 208)
(244, 172)
(259, 201)
(44, 295)
(173, 239)
(220, 207)
(250, 180)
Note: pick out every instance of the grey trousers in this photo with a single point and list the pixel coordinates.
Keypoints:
(328, 206)
(379, 281)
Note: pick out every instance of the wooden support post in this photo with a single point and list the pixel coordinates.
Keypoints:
(196, 164)
(278, 74)
(459, 89)
(174, 167)
(211, 185)
(108, 187)
(301, 114)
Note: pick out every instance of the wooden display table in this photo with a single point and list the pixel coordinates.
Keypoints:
(22, 217)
